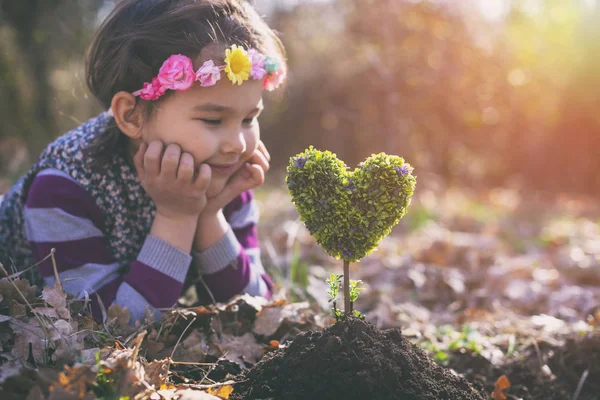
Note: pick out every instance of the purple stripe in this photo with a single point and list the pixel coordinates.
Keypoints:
(230, 281)
(247, 236)
(72, 254)
(237, 203)
(51, 191)
(108, 294)
(159, 289)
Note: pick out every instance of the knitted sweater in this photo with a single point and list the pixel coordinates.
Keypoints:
(98, 222)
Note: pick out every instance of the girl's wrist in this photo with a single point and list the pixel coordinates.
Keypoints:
(211, 228)
(178, 232)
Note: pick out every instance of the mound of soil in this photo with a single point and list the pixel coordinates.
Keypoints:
(351, 360)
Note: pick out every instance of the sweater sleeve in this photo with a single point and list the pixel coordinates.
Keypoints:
(60, 214)
(233, 265)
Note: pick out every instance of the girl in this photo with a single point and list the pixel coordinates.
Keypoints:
(155, 194)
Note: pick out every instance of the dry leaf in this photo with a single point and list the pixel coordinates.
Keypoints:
(47, 312)
(25, 333)
(55, 296)
(35, 394)
(501, 384)
(273, 345)
(10, 368)
(11, 291)
(242, 349)
(271, 318)
(17, 309)
(222, 392)
(156, 373)
(117, 316)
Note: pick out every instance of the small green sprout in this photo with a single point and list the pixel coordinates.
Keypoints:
(335, 285)
(354, 290)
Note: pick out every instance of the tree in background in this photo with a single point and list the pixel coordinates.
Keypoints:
(473, 101)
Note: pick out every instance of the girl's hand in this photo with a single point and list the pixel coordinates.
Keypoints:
(170, 181)
(249, 176)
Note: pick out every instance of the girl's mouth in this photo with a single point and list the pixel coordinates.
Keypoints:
(223, 169)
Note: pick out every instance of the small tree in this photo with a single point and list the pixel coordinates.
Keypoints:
(349, 212)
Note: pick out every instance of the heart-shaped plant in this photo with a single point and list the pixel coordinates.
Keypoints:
(349, 212)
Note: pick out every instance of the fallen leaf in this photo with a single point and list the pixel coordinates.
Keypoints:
(222, 392)
(25, 333)
(156, 374)
(273, 345)
(17, 309)
(35, 394)
(10, 368)
(117, 316)
(55, 296)
(241, 349)
(269, 319)
(501, 384)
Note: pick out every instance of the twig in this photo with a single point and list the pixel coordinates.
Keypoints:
(214, 385)
(192, 363)
(177, 344)
(580, 384)
(539, 354)
(18, 274)
(55, 268)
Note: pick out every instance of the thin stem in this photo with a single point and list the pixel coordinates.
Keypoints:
(347, 305)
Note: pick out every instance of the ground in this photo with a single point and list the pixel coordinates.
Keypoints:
(501, 287)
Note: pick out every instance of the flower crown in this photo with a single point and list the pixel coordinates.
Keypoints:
(177, 72)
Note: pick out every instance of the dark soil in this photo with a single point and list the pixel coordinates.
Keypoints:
(544, 373)
(351, 360)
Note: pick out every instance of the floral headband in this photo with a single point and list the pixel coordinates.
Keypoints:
(177, 72)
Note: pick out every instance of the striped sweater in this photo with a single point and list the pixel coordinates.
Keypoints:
(99, 225)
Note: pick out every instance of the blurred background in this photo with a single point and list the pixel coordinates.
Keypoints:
(480, 93)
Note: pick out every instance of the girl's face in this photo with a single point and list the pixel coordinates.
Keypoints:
(217, 125)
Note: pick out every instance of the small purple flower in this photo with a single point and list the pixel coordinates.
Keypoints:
(300, 161)
(346, 254)
(405, 169)
(350, 185)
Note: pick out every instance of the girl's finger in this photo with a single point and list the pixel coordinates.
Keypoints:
(185, 172)
(152, 158)
(260, 159)
(138, 160)
(257, 175)
(204, 176)
(263, 149)
(170, 162)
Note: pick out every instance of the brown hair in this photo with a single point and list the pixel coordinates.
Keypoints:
(139, 35)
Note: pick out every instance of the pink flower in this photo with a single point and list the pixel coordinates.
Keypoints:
(177, 73)
(152, 91)
(275, 78)
(258, 64)
(208, 74)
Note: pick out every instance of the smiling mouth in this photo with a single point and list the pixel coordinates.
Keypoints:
(223, 169)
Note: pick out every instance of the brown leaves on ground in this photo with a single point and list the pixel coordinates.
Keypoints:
(501, 384)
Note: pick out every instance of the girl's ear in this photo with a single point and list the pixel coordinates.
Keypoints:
(129, 118)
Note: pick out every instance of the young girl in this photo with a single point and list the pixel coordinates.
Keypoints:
(155, 194)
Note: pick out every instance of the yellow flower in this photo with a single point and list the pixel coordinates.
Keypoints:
(237, 64)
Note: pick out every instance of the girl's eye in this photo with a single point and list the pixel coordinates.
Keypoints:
(211, 121)
(249, 121)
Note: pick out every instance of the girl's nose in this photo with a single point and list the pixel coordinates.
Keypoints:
(234, 143)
